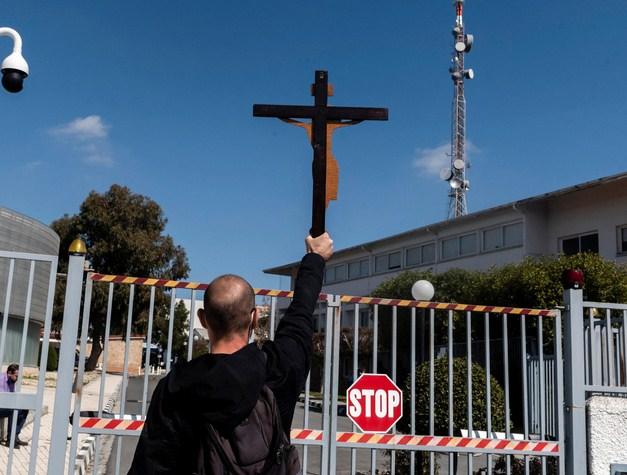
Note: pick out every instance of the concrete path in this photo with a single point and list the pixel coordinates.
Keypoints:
(21, 457)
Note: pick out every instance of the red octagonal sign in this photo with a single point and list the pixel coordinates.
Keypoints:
(374, 403)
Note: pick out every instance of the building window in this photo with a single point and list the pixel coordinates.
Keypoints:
(420, 255)
(492, 239)
(394, 260)
(622, 239)
(412, 256)
(358, 269)
(513, 235)
(459, 246)
(386, 262)
(467, 244)
(335, 273)
(581, 243)
(428, 253)
(381, 263)
(450, 248)
(509, 235)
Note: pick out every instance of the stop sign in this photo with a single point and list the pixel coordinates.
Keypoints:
(374, 403)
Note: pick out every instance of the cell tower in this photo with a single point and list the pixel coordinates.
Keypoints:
(456, 174)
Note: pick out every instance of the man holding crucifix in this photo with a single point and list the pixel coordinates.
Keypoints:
(231, 411)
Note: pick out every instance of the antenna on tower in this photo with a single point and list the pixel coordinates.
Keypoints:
(456, 174)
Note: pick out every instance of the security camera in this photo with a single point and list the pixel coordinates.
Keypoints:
(14, 67)
(14, 70)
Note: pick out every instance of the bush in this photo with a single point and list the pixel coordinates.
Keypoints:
(460, 394)
(440, 398)
(52, 364)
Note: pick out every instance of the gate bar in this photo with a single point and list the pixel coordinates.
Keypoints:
(42, 365)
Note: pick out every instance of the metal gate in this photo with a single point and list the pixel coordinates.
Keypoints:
(466, 382)
(596, 364)
(27, 283)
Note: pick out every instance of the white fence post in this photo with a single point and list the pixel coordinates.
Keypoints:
(574, 384)
(65, 374)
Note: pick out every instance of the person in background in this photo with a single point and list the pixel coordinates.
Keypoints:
(7, 385)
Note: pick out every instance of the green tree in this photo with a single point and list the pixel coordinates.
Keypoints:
(532, 283)
(124, 233)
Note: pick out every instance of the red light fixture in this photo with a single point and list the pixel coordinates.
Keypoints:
(573, 279)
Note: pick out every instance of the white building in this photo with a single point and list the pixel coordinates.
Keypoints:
(591, 216)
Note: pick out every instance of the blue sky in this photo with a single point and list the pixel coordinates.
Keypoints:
(158, 96)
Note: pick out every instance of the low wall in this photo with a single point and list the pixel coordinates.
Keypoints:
(115, 355)
(607, 433)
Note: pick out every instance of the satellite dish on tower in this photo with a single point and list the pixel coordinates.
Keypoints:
(455, 183)
(459, 164)
(446, 174)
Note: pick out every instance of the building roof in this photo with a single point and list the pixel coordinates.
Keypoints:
(286, 269)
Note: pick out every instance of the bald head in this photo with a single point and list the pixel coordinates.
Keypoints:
(229, 301)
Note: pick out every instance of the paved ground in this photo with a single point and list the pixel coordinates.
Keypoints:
(22, 457)
(126, 445)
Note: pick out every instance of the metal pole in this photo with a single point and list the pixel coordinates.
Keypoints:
(334, 303)
(574, 389)
(69, 333)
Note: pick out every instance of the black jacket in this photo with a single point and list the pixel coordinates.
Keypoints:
(222, 389)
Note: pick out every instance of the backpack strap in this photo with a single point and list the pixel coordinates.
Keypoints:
(229, 466)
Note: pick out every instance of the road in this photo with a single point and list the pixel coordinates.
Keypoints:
(133, 406)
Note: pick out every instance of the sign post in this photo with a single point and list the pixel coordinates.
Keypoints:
(374, 403)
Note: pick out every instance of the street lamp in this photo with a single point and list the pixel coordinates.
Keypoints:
(422, 290)
(14, 67)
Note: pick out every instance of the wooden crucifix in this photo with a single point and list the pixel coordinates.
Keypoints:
(324, 121)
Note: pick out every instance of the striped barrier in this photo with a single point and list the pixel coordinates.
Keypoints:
(459, 307)
(128, 426)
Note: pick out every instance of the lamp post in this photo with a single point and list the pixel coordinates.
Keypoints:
(422, 290)
(14, 67)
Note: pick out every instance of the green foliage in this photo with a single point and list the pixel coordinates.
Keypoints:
(531, 283)
(52, 364)
(179, 329)
(460, 394)
(124, 233)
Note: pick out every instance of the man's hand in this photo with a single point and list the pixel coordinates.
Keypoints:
(322, 245)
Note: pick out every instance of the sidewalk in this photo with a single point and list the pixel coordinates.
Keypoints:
(89, 401)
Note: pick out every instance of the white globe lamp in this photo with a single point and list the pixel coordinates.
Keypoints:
(422, 290)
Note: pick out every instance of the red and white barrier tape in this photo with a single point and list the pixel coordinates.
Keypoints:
(459, 307)
(426, 441)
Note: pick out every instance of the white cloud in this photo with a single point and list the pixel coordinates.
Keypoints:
(88, 137)
(83, 128)
(431, 160)
(96, 154)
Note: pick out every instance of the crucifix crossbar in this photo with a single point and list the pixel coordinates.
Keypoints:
(324, 121)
